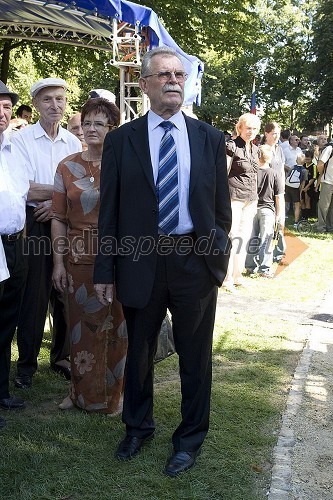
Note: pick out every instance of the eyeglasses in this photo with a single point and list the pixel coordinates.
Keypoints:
(165, 76)
(96, 125)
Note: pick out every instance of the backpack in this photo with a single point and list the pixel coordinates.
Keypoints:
(293, 179)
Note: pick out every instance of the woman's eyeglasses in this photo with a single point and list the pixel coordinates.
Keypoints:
(97, 125)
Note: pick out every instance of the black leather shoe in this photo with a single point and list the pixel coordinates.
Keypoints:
(63, 370)
(179, 462)
(12, 403)
(23, 382)
(2, 423)
(130, 446)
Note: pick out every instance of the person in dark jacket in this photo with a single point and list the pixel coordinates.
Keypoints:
(243, 192)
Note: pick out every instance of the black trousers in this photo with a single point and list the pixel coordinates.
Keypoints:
(11, 293)
(184, 285)
(37, 294)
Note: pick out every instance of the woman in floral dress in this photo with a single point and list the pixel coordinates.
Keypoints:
(98, 333)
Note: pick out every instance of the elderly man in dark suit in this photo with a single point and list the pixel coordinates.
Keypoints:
(163, 228)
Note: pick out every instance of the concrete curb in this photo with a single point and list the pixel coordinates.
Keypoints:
(280, 487)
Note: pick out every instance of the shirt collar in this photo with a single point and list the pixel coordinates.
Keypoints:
(40, 132)
(154, 120)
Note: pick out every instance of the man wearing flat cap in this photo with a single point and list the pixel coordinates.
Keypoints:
(14, 186)
(44, 145)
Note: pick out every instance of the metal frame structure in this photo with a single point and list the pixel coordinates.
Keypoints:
(129, 44)
(126, 42)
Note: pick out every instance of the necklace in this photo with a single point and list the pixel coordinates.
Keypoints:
(90, 166)
(92, 178)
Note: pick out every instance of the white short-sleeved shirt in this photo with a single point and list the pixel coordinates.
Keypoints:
(14, 187)
(44, 154)
(325, 155)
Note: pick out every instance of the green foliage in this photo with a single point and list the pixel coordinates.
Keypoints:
(288, 43)
(83, 69)
(320, 110)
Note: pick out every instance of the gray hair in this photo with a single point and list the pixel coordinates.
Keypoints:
(162, 50)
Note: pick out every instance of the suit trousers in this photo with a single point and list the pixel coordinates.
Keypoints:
(184, 285)
(38, 291)
(11, 293)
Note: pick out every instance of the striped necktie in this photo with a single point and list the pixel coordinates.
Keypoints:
(167, 182)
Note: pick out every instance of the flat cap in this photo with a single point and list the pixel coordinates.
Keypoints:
(5, 91)
(47, 82)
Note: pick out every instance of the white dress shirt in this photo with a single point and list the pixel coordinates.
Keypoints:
(284, 144)
(291, 155)
(42, 153)
(180, 135)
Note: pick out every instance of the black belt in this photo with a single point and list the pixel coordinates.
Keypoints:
(176, 239)
(10, 238)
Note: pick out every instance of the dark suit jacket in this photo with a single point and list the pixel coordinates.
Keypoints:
(128, 219)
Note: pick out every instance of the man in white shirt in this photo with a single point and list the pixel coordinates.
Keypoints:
(291, 152)
(325, 204)
(14, 186)
(43, 145)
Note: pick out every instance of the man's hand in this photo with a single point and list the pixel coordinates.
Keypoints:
(43, 211)
(104, 293)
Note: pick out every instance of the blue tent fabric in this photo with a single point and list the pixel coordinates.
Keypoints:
(61, 14)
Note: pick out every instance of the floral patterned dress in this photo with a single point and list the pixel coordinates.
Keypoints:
(98, 333)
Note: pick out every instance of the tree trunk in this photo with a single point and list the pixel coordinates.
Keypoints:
(5, 61)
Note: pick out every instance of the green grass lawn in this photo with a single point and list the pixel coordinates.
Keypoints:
(47, 454)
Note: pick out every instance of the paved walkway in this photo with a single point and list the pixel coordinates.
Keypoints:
(303, 456)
